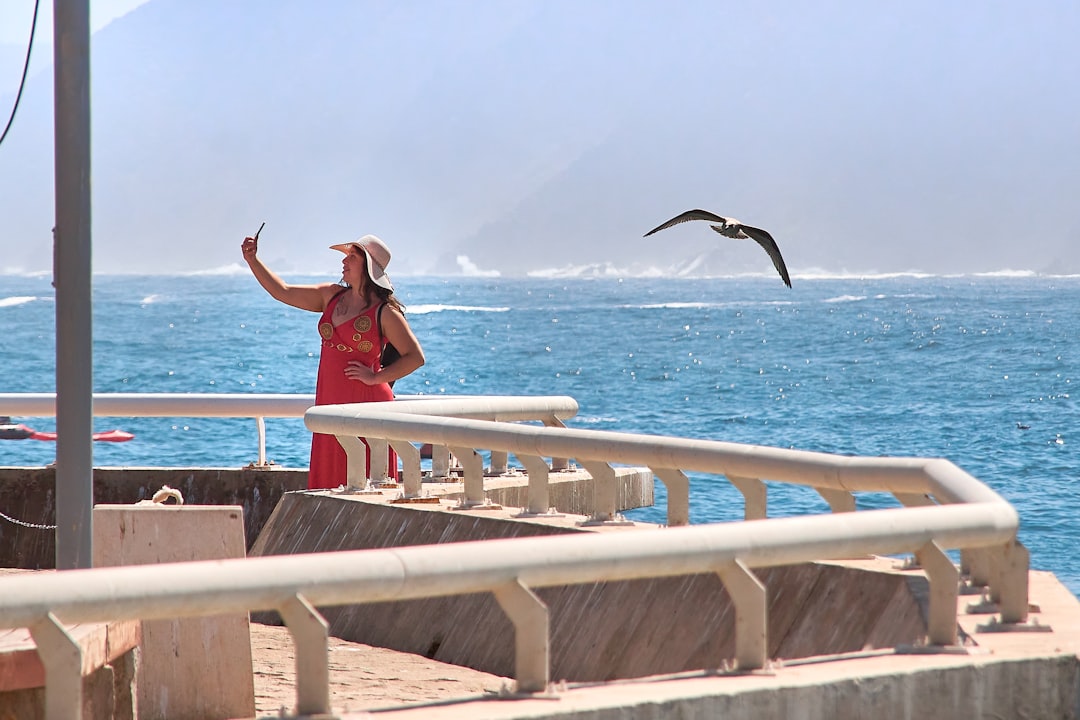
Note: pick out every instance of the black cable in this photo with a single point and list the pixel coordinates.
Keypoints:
(26, 67)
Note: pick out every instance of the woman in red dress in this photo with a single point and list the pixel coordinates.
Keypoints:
(349, 368)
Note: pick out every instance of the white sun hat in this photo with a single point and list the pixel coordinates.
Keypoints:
(378, 257)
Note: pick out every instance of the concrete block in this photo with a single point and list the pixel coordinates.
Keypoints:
(29, 495)
(109, 669)
(174, 680)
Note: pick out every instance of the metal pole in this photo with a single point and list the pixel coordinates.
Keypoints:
(71, 276)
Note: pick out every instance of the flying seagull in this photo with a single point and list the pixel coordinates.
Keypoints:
(732, 228)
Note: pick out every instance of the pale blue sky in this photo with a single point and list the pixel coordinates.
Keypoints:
(525, 135)
(16, 16)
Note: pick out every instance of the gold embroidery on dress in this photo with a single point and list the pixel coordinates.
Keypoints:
(362, 323)
(364, 346)
(326, 330)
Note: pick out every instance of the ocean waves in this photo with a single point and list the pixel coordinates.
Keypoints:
(980, 370)
(16, 300)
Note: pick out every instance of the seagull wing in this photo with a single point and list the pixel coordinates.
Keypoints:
(766, 241)
(686, 217)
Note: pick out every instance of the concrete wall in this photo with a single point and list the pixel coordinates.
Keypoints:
(28, 494)
(107, 695)
(109, 670)
(1037, 687)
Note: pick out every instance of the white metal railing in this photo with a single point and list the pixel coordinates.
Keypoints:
(914, 482)
(944, 508)
(259, 407)
(510, 569)
(238, 405)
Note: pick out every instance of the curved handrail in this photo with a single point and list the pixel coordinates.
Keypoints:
(509, 568)
(945, 508)
(841, 472)
(171, 590)
(915, 481)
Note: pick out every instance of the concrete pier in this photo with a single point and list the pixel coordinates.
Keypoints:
(599, 632)
(846, 637)
(1025, 675)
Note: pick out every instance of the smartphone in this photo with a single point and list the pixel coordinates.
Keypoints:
(260, 230)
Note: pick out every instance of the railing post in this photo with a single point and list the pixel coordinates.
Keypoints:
(840, 501)
(474, 476)
(604, 491)
(62, 657)
(410, 464)
(499, 464)
(380, 473)
(440, 461)
(678, 495)
(356, 466)
(755, 495)
(260, 424)
(536, 467)
(965, 562)
(1012, 580)
(751, 615)
(560, 464)
(914, 499)
(529, 615)
(309, 632)
(944, 591)
(980, 570)
(557, 464)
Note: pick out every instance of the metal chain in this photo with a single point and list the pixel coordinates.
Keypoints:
(32, 526)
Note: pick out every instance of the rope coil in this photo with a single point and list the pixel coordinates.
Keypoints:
(159, 498)
(162, 495)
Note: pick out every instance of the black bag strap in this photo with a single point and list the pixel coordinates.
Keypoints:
(383, 342)
(378, 325)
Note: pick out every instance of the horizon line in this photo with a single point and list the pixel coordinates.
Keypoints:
(590, 274)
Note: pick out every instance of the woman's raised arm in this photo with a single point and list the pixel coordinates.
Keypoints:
(305, 297)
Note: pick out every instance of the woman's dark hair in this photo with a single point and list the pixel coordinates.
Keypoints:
(384, 294)
(388, 297)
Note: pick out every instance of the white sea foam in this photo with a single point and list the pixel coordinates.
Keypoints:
(610, 270)
(150, 299)
(819, 274)
(16, 300)
(1008, 274)
(845, 298)
(22, 272)
(589, 270)
(425, 309)
(230, 269)
(688, 272)
(677, 306)
(471, 269)
(693, 265)
(595, 420)
(706, 305)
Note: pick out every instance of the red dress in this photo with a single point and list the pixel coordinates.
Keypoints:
(354, 339)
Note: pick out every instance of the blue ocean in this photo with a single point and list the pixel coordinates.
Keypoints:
(975, 369)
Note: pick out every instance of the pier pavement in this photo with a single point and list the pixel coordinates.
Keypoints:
(1027, 674)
